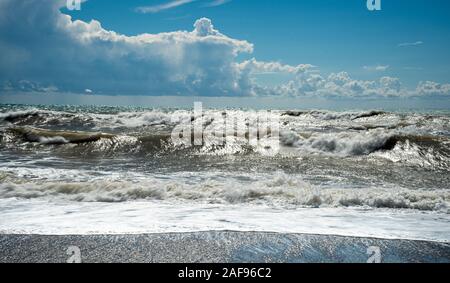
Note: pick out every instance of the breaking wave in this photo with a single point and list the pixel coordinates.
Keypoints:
(327, 115)
(93, 121)
(393, 145)
(282, 190)
(346, 143)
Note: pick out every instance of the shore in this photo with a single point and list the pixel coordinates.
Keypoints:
(210, 247)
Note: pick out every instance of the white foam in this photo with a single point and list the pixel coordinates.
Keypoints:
(282, 190)
(53, 140)
(345, 143)
(68, 218)
(412, 154)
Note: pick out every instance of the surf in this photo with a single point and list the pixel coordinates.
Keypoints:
(36, 135)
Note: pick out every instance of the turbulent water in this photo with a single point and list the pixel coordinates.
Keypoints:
(101, 169)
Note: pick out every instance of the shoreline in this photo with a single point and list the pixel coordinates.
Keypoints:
(217, 247)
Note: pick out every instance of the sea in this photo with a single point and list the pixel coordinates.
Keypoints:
(117, 170)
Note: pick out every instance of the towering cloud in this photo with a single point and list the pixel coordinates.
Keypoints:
(43, 47)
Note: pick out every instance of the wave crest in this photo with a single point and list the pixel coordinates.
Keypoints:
(283, 190)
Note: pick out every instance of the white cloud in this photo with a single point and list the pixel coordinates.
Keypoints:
(378, 68)
(257, 67)
(51, 49)
(340, 85)
(162, 7)
(433, 88)
(407, 44)
(43, 50)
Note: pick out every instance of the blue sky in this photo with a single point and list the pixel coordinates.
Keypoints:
(234, 48)
(335, 35)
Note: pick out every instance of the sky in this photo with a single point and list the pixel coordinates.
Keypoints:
(335, 35)
(227, 48)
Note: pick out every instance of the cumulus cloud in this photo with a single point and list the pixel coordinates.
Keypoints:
(44, 50)
(340, 85)
(52, 49)
(254, 66)
(433, 88)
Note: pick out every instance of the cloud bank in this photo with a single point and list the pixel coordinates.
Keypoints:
(44, 50)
